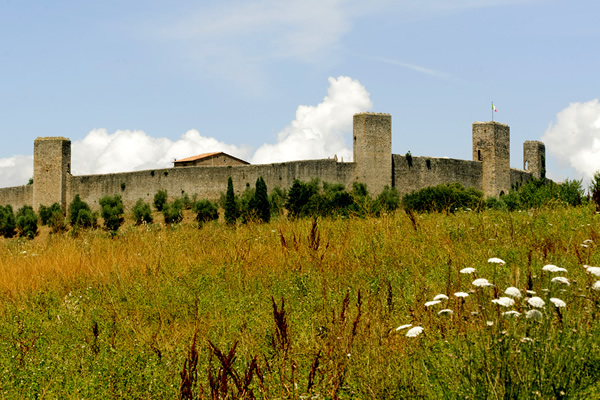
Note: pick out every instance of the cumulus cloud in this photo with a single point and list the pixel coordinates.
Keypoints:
(16, 170)
(574, 138)
(124, 150)
(318, 131)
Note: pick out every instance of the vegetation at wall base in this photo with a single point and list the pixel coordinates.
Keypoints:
(142, 213)
(26, 222)
(173, 212)
(347, 308)
(206, 211)
(160, 199)
(8, 223)
(80, 214)
(112, 211)
(230, 206)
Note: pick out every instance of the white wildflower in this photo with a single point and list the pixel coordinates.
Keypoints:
(558, 302)
(432, 303)
(513, 292)
(440, 297)
(588, 241)
(596, 285)
(530, 292)
(445, 312)
(534, 315)
(414, 332)
(468, 270)
(553, 268)
(560, 279)
(481, 282)
(592, 270)
(536, 302)
(489, 323)
(511, 313)
(461, 294)
(403, 327)
(504, 301)
(496, 260)
(527, 340)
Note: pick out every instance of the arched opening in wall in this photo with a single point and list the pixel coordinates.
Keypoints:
(526, 165)
(478, 155)
(501, 193)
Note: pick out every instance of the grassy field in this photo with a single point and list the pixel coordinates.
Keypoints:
(306, 309)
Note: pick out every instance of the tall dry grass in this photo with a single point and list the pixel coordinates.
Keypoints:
(301, 308)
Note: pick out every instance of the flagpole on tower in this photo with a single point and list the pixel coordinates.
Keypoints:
(492, 111)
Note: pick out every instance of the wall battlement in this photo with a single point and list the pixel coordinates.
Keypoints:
(373, 164)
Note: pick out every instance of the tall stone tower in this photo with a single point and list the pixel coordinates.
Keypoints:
(372, 146)
(51, 167)
(491, 146)
(534, 158)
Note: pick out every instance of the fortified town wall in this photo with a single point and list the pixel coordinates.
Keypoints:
(373, 164)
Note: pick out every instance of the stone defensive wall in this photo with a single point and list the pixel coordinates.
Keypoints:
(16, 196)
(427, 171)
(205, 181)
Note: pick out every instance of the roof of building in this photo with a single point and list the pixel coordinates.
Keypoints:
(208, 155)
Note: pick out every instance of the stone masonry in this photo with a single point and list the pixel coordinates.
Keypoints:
(373, 164)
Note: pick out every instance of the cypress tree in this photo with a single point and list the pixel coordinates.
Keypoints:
(230, 206)
(261, 205)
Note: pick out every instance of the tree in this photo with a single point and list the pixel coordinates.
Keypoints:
(160, 199)
(47, 212)
(260, 203)
(80, 214)
(231, 211)
(142, 212)
(595, 189)
(112, 212)
(205, 211)
(7, 221)
(173, 212)
(26, 221)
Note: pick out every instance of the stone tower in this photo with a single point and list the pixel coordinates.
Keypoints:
(491, 146)
(534, 158)
(372, 146)
(51, 167)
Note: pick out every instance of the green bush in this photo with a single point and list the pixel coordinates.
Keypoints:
(142, 212)
(277, 200)
(299, 196)
(445, 197)
(206, 211)
(595, 189)
(112, 212)
(26, 221)
(80, 214)
(58, 222)
(7, 221)
(160, 199)
(46, 213)
(389, 199)
(173, 212)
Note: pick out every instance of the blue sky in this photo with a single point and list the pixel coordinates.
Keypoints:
(136, 84)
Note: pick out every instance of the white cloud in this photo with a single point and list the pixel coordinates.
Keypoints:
(15, 170)
(574, 139)
(124, 150)
(318, 131)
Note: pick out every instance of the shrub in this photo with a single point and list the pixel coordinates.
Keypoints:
(26, 221)
(445, 197)
(389, 199)
(231, 209)
(160, 199)
(298, 198)
(206, 211)
(277, 200)
(7, 221)
(58, 222)
(173, 212)
(112, 212)
(142, 212)
(46, 213)
(80, 214)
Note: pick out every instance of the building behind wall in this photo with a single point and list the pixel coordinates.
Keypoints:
(373, 164)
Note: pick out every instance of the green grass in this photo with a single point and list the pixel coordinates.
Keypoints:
(303, 310)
